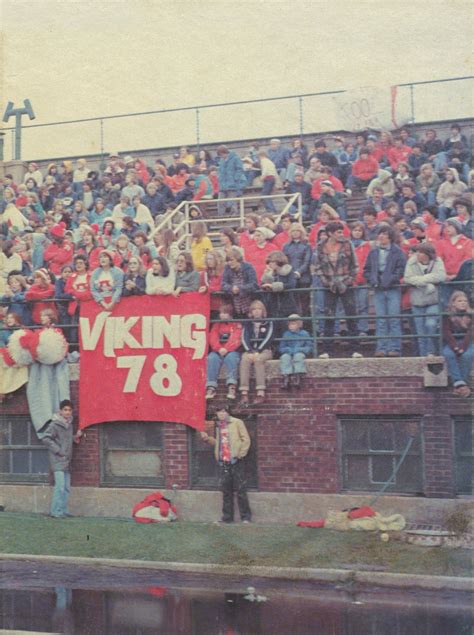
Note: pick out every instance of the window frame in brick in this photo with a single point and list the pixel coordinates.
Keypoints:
(415, 453)
(130, 481)
(460, 453)
(32, 446)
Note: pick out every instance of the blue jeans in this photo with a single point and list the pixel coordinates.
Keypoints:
(214, 364)
(62, 489)
(267, 189)
(459, 366)
(362, 307)
(388, 302)
(426, 325)
(290, 364)
(444, 213)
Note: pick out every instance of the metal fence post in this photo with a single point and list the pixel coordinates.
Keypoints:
(412, 102)
(102, 150)
(300, 102)
(198, 130)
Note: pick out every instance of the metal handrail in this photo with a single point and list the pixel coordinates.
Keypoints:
(224, 104)
(313, 319)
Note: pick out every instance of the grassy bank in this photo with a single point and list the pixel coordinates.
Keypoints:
(284, 546)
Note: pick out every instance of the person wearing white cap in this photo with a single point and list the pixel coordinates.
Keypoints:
(279, 155)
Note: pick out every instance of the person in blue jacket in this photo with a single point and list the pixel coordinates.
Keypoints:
(295, 346)
(14, 298)
(232, 179)
(384, 269)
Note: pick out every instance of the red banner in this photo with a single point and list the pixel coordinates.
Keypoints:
(145, 360)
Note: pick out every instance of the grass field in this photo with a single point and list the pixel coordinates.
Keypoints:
(242, 545)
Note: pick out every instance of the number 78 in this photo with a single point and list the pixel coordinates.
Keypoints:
(165, 381)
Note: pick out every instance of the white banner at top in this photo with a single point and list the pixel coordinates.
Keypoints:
(376, 107)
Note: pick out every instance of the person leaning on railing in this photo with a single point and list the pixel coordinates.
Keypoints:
(239, 281)
(424, 271)
(383, 271)
(336, 266)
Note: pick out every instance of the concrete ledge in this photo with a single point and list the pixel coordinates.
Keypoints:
(348, 367)
(205, 506)
(373, 578)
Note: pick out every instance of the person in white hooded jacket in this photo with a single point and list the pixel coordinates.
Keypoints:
(424, 271)
(451, 189)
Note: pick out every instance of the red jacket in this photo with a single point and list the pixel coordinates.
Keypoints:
(434, 231)
(35, 292)
(365, 169)
(213, 283)
(280, 240)
(257, 256)
(316, 189)
(232, 332)
(362, 251)
(396, 155)
(56, 256)
(454, 255)
(81, 291)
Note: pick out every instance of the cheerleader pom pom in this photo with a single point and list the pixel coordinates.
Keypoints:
(20, 355)
(52, 347)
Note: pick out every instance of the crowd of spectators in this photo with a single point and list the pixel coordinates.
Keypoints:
(70, 234)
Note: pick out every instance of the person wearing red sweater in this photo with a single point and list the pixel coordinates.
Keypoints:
(59, 252)
(434, 228)
(41, 289)
(283, 237)
(78, 284)
(326, 176)
(256, 252)
(246, 237)
(211, 278)
(224, 340)
(363, 170)
(398, 153)
(454, 249)
(326, 214)
(362, 246)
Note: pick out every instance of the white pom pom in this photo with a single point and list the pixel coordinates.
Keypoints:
(20, 355)
(52, 347)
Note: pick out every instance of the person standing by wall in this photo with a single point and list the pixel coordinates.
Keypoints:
(58, 437)
(231, 444)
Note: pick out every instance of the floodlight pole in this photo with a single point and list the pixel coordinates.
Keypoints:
(18, 113)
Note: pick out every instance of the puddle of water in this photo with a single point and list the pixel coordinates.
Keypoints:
(153, 603)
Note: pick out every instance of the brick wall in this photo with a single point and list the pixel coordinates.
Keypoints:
(298, 436)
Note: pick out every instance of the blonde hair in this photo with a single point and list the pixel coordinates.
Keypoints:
(219, 259)
(299, 227)
(258, 304)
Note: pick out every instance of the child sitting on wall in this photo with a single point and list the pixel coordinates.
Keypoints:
(295, 345)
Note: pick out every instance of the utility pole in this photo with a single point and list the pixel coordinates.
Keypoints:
(18, 113)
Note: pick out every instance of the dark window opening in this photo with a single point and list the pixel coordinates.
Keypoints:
(463, 455)
(23, 458)
(204, 469)
(372, 447)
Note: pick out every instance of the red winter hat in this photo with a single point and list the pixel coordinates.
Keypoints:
(95, 228)
(58, 230)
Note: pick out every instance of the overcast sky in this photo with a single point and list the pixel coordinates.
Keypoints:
(86, 59)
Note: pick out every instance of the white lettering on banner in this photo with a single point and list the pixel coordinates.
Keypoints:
(188, 334)
(135, 363)
(187, 331)
(89, 336)
(164, 382)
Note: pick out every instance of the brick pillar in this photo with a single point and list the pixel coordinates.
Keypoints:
(438, 456)
(176, 455)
